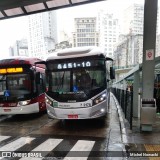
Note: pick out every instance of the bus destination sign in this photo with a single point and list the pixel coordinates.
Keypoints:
(70, 65)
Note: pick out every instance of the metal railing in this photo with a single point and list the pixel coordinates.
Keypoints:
(125, 99)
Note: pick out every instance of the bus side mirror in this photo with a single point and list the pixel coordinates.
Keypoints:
(37, 77)
(112, 73)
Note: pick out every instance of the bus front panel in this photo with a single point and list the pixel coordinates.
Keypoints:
(77, 89)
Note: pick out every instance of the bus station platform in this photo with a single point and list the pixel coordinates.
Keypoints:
(132, 144)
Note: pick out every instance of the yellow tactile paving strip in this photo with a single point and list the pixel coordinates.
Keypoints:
(153, 148)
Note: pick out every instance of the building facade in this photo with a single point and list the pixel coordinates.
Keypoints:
(131, 52)
(109, 30)
(85, 32)
(133, 19)
(42, 34)
(20, 48)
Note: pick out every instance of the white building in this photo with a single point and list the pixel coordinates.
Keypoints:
(85, 32)
(20, 48)
(63, 36)
(131, 52)
(158, 45)
(42, 34)
(109, 29)
(133, 19)
(128, 52)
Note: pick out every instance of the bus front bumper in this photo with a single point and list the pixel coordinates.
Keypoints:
(28, 109)
(78, 113)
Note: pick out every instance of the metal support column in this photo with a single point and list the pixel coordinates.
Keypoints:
(136, 107)
(149, 42)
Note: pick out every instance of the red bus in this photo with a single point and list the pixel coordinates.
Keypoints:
(22, 86)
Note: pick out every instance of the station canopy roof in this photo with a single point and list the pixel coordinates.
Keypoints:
(15, 8)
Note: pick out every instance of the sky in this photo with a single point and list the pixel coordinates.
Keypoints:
(10, 31)
(17, 28)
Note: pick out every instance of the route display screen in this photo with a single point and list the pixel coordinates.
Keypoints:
(11, 70)
(62, 65)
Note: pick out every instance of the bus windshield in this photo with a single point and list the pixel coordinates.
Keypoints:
(18, 86)
(78, 83)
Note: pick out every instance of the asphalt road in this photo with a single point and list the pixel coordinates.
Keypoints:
(51, 138)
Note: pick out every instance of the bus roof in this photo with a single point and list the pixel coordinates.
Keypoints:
(19, 61)
(75, 53)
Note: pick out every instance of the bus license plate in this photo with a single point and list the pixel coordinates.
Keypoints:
(7, 110)
(73, 116)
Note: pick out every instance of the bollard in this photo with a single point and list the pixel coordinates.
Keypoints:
(147, 114)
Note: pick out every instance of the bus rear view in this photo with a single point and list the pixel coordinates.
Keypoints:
(77, 84)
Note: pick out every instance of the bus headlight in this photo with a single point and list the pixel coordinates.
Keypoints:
(48, 101)
(23, 103)
(99, 99)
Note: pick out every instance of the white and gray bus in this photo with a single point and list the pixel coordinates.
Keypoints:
(78, 83)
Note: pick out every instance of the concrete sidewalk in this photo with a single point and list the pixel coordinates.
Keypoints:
(116, 144)
(134, 143)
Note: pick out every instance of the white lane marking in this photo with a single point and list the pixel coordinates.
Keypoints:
(3, 138)
(14, 145)
(45, 147)
(80, 146)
